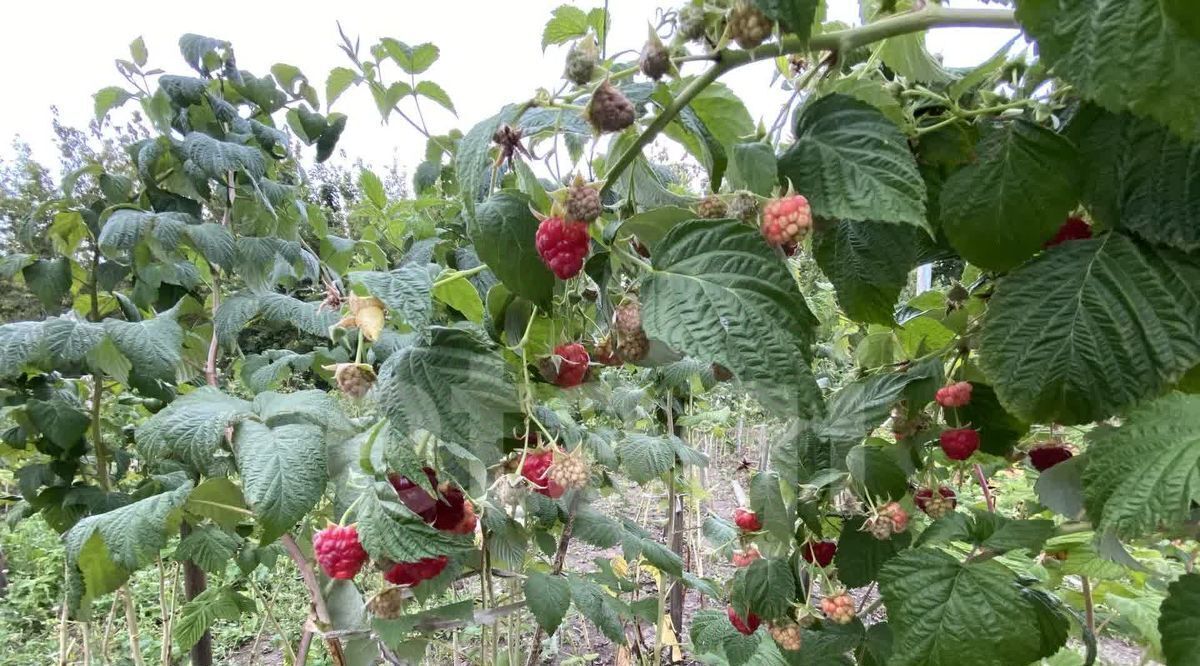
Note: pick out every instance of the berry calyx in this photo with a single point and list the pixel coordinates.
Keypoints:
(711, 207)
(747, 626)
(339, 551)
(1075, 228)
(957, 394)
(609, 110)
(788, 635)
(536, 469)
(959, 443)
(748, 26)
(583, 201)
(838, 608)
(887, 521)
(571, 366)
(744, 558)
(820, 553)
(935, 504)
(746, 520)
(562, 246)
(1048, 454)
(632, 343)
(786, 220)
(411, 573)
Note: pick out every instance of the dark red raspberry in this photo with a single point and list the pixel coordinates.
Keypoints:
(957, 394)
(535, 469)
(572, 365)
(935, 507)
(1075, 228)
(1049, 454)
(959, 443)
(449, 511)
(747, 626)
(819, 553)
(339, 552)
(562, 246)
(411, 573)
(746, 520)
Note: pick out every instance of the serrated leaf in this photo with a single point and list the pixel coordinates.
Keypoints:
(1060, 488)
(503, 231)
(766, 588)
(214, 242)
(283, 473)
(461, 295)
(454, 387)
(196, 50)
(232, 316)
(722, 112)
(310, 317)
(878, 472)
(752, 167)
(868, 264)
(107, 99)
(860, 556)
(999, 210)
(548, 598)
(434, 92)
(597, 529)
(795, 16)
(998, 430)
(69, 340)
(215, 158)
(1155, 76)
(153, 346)
(566, 23)
(718, 293)
(1143, 474)
(940, 609)
(645, 457)
(472, 158)
(650, 226)
(211, 548)
(389, 530)
(20, 343)
(873, 92)
(1089, 327)
(191, 428)
(219, 500)
(1179, 621)
(58, 420)
(600, 608)
(339, 79)
(198, 615)
(49, 280)
(852, 163)
(766, 500)
(861, 406)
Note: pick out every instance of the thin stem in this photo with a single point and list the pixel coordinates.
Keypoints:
(318, 599)
(131, 624)
(457, 275)
(1089, 608)
(983, 485)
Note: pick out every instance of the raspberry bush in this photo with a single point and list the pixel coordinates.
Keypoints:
(988, 462)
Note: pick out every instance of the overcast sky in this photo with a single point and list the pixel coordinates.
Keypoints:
(59, 52)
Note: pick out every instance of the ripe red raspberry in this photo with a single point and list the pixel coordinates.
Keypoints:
(411, 573)
(536, 468)
(744, 558)
(959, 443)
(449, 511)
(957, 394)
(786, 220)
(339, 552)
(746, 520)
(888, 520)
(562, 246)
(935, 506)
(788, 636)
(1048, 454)
(1075, 228)
(839, 608)
(747, 626)
(572, 365)
(819, 553)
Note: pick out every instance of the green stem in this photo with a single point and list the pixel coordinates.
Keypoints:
(456, 275)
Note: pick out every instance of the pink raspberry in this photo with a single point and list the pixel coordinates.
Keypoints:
(786, 220)
(537, 464)
(959, 443)
(957, 394)
(562, 246)
(839, 608)
(935, 506)
(339, 552)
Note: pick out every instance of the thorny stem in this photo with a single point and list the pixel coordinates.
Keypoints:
(840, 41)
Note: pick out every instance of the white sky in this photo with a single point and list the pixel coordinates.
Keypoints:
(59, 52)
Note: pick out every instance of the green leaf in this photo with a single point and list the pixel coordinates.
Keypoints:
(283, 473)
(1089, 327)
(1143, 474)
(999, 431)
(907, 56)
(412, 59)
(852, 163)
(549, 598)
(214, 242)
(106, 358)
(59, 421)
(210, 547)
(599, 607)
(753, 168)
(49, 280)
(1140, 177)
(311, 317)
(153, 346)
(794, 16)
(108, 99)
(860, 556)
(137, 51)
(198, 615)
(873, 92)
(645, 457)
(329, 138)
(454, 387)
(722, 112)
(650, 226)
(406, 291)
(201, 52)
(190, 430)
(389, 530)
(720, 294)
(566, 23)
(878, 472)
(215, 158)
(1155, 76)
(661, 557)
(597, 529)
(998, 211)
(219, 500)
(20, 343)
(339, 79)
(766, 500)
(503, 231)
(183, 91)
(1179, 621)
(690, 131)
(940, 609)
(235, 312)
(868, 264)
(766, 588)
(69, 340)
(434, 92)
(461, 295)
(472, 158)
(1060, 488)
(861, 406)
(989, 531)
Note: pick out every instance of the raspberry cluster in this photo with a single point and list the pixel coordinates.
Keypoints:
(354, 379)
(957, 394)
(936, 505)
(820, 553)
(339, 551)
(1048, 454)
(788, 635)
(449, 511)
(609, 110)
(411, 573)
(1075, 228)
(838, 608)
(744, 558)
(746, 626)
(888, 520)
(711, 207)
(746, 520)
(959, 443)
(536, 469)
(562, 245)
(572, 365)
(786, 220)
(748, 26)
(632, 343)
(569, 471)
(583, 201)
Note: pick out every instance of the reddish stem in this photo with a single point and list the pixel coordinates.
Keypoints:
(983, 485)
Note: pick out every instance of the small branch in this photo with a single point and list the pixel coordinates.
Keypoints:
(983, 485)
(318, 600)
(1089, 608)
(131, 625)
(560, 556)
